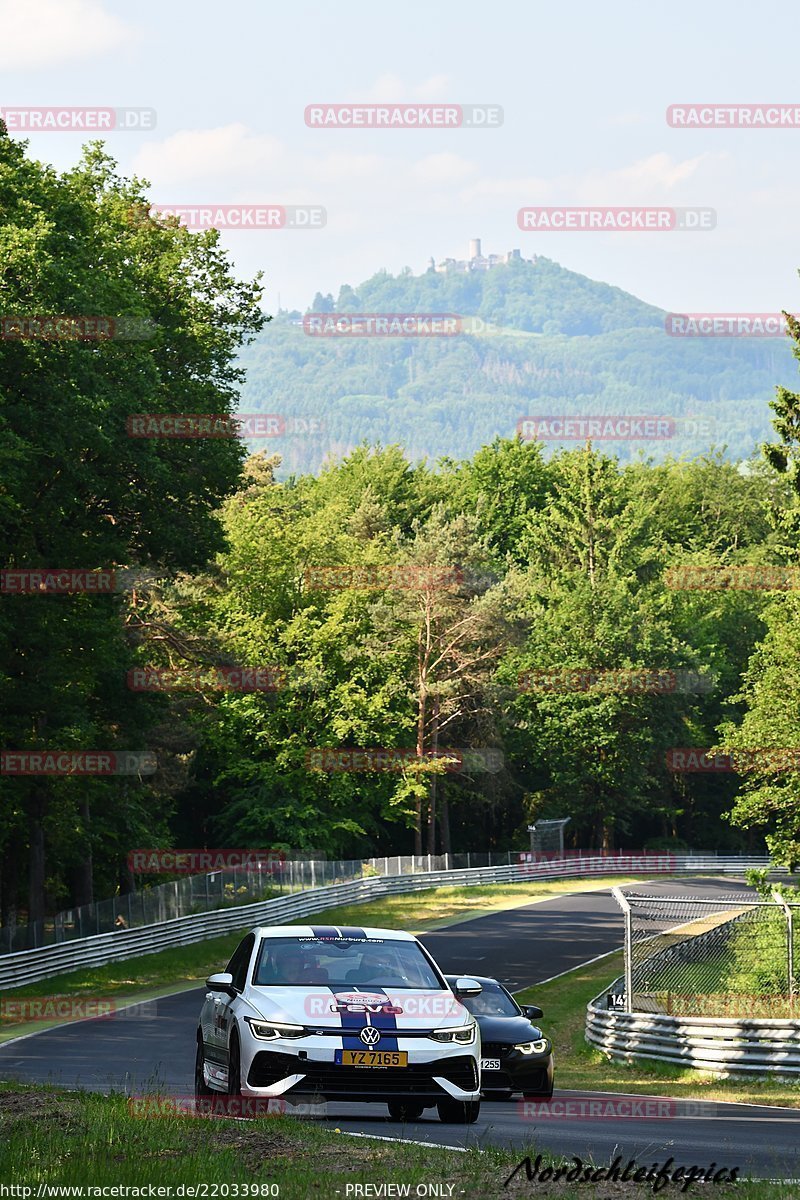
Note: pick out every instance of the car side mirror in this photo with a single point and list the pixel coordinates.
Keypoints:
(531, 1011)
(222, 982)
(464, 986)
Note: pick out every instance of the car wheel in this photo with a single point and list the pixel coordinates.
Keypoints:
(201, 1088)
(458, 1112)
(402, 1110)
(234, 1068)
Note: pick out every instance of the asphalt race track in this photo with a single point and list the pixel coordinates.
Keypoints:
(523, 946)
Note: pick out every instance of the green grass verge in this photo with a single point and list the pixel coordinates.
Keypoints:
(151, 975)
(580, 1066)
(83, 1140)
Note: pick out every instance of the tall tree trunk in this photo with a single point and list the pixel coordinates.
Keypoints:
(418, 810)
(36, 873)
(127, 883)
(444, 820)
(608, 835)
(9, 882)
(84, 873)
(434, 780)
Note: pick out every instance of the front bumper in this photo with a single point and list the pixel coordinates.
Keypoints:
(531, 1074)
(306, 1066)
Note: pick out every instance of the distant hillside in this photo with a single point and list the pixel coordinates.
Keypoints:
(559, 344)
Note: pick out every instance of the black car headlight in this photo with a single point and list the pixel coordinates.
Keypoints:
(539, 1046)
(270, 1031)
(465, 1036)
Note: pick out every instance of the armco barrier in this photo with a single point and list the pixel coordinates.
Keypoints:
(29, 966)
(722, 1044)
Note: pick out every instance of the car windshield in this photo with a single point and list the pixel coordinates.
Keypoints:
(343, 962)
(492, 1002)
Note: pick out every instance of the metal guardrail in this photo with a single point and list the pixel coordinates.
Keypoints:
(30, 966)
(721, 1044)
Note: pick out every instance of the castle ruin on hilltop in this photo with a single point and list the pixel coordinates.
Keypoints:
(477, 261)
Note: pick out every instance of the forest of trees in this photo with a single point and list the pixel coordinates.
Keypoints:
(553, 342)
(396, 604)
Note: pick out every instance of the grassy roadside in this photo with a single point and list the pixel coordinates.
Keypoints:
(583, 1068)
(69, 1138)
(167, 971)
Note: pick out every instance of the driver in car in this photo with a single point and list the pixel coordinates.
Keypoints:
(377, 967)
(290, 967)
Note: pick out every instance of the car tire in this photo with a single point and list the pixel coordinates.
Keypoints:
(201, 1088)
(458, 1112)
(234, 1067)
(404, 1110)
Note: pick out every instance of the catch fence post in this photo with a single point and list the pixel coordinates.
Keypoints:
(622, 901)
(779, 899)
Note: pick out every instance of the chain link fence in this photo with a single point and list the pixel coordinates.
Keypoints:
(727, 956)
(227, 888)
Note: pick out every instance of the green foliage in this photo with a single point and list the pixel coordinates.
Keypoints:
(76, 491)
(556, 561)
(555, 343)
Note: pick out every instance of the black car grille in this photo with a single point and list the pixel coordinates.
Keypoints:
(495, 1049)
(330, 1080)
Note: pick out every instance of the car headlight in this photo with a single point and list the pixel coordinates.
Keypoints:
(270, 1031)
(538, 1047)
(465, 1035)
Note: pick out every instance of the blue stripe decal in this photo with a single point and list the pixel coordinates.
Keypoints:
(324, 931)
(386, 1022)
(354, 1022)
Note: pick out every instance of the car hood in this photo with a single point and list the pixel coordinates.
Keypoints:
(507, 1029)
(327, 1007)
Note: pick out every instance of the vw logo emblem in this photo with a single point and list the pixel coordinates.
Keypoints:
(370, 1036)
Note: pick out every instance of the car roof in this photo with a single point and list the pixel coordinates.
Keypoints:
(346, 932)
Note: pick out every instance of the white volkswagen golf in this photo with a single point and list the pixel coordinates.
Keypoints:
(340, 1014)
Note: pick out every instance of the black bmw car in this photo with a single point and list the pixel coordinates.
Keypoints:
(515, 1054)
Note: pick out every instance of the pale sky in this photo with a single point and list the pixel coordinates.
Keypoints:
(584, 89)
